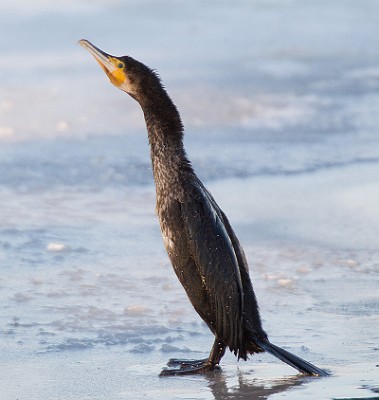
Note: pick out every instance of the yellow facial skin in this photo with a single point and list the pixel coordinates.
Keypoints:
(117, 75)
(112, 66)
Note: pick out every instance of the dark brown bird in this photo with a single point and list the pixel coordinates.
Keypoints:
(203, 248)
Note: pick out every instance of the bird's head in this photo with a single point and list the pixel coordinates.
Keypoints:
(124, 72)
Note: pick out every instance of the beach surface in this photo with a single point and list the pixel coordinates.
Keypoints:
(280, 104)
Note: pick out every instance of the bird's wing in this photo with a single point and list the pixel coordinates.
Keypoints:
(216, 261)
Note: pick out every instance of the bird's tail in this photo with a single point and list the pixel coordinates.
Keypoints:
(294, 361)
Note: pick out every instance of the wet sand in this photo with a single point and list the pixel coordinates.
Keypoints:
(280, 104)
(310, 241)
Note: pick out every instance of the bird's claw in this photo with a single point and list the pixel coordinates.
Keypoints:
(176, 362)
(187, 367)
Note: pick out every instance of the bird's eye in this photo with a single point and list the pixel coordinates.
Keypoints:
(121, 65)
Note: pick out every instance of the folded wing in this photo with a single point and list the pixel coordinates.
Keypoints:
(216, 261)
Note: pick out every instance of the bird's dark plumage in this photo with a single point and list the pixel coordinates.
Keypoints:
(203, 248)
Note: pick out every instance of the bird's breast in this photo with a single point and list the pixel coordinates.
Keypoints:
(169, 214)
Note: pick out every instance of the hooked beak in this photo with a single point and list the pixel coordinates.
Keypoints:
(111, 65)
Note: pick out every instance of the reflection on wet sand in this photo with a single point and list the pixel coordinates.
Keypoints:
(250, 388)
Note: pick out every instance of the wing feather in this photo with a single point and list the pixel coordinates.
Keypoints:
(216, 261)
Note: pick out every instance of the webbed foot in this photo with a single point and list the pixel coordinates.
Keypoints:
(187, 367)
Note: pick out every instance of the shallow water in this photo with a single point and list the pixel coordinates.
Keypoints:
(280, 106)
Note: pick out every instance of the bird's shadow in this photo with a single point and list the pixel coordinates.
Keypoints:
(245, 387)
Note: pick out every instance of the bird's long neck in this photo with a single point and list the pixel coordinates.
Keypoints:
(165, 131)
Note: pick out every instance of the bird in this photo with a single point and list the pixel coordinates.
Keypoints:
(204, 250)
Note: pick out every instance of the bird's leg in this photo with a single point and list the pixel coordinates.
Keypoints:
(197, 366)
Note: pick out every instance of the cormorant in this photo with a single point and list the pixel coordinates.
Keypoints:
(205, 253)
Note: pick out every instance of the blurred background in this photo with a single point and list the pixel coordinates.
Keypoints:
(280, 103)
(296, 82)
